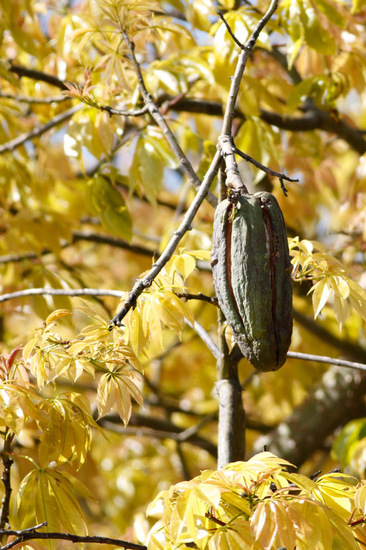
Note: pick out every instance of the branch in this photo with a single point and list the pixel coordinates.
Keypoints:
(147, 280)
(335, 400)
(265, 169)
(189, 296)
(88, 236)
(161, 122)
(40, 76)
(225, 142)
(240, 67)
(36, 100)
(61, 292)
(349, 349)
(39, 130)
(148, 426)
(111, 241)
(325, 359)
(316, 119)
(31, 534)
(205, 337)
(5, 478)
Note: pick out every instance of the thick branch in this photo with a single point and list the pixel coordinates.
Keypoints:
(337, 399)
(231, 428)
(314, 119)
(40, 76)
(5, 478)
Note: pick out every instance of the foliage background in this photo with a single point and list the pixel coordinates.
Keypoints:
(89, 199)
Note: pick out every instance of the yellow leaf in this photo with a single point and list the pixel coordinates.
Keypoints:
(56, 315)
(321, 292)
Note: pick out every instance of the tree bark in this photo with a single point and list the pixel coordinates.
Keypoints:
(335, 400)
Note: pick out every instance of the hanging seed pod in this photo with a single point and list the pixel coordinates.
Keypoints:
(252, 277)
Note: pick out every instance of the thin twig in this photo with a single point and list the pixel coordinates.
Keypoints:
(189, 296)
(36, 100)
(237, 42)
(161, 122)
(120, 112)
(325, 359)
(61, 292)
(39, 130)
(240, 67)
(185, 225)
(205, 337)
(143, 431)
(265, 169)
(226, 140)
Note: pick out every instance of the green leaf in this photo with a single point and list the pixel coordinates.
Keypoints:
(108, 203)
(316, 36)
(331, 12)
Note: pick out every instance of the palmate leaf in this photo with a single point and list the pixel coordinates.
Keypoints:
(115, 390)
(298, 512)
(332, 281)
(66, 430)
(50, 495)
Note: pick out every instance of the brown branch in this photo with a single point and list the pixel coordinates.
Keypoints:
(335, 400)
(148, 426)
(189, 296)
(233, 37)
(27, 534)
(5, 478)
(112, 241)
(265, 169)
(314, 119)
(88, 236)
(40, 76)
(351, 350)
(39, 130)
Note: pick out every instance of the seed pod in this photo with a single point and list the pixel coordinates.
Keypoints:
(252, 277)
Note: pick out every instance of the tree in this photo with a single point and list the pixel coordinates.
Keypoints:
(122, 124)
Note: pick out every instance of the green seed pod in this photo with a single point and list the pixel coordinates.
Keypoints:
(252, 277)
